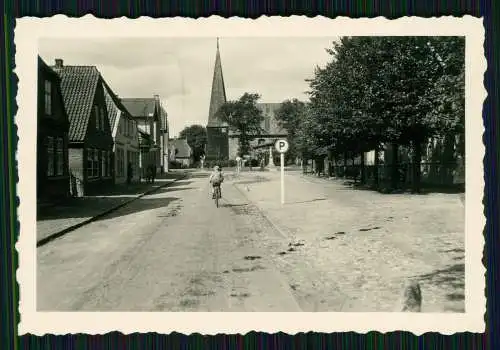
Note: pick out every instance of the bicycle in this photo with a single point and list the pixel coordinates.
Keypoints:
(217, 195)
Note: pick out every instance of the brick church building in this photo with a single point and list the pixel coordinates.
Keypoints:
(222, 142)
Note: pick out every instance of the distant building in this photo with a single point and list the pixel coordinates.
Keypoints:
(125, 137)
(181, 152)
(147, 113)
(271, 131)
(164, 139)
(217, 131)
(90, 139)
(52, 137)
(222, 143)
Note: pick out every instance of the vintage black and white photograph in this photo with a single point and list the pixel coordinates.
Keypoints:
(263, 173)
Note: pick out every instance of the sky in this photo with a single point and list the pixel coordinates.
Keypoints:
(180, 70)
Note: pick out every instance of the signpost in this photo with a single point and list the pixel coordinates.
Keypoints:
(281, 146)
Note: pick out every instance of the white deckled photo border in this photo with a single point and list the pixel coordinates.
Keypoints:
(28, 31)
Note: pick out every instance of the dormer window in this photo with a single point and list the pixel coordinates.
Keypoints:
(48, 97)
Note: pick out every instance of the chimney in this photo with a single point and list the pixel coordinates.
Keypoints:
(157, 98)
(59, 62)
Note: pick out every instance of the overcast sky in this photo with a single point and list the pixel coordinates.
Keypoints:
(181, 70)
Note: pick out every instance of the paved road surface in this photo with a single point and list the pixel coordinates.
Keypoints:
(170, 251)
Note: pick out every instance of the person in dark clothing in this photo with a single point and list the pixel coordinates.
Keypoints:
(129, 173)
(153, 173)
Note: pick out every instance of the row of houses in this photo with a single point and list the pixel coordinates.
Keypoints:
(88, 138)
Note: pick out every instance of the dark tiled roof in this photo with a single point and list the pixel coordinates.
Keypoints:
(112, 108)
(140, 107)
(45, 67)
(78, 87)
(182, 146)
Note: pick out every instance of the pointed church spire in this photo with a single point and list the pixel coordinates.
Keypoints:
(218, 96)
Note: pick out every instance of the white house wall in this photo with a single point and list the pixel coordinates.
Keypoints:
(126, 143)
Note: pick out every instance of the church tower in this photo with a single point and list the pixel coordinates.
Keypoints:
(217, 131)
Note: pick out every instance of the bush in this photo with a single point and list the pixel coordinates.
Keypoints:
(175, 165)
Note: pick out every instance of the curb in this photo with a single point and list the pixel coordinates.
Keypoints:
(61, 233)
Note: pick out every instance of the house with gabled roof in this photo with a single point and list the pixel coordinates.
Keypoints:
(147, 113)
(181, 152)
(52, 138)
(165, 156)
(90, 138)
(126, 139)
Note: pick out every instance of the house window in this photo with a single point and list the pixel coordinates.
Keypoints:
(96, 163)
(108, 160)
(120, 162)
(92, 163)
(50, 156)
(48, 97)
(60, 156)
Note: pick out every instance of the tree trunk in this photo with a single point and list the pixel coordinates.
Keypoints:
(362, 180)
(395, 166)
(417, 159)
(345, 165)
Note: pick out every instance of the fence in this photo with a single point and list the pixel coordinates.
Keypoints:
(432, 174)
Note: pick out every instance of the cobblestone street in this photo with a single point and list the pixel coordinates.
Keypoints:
(329, 248)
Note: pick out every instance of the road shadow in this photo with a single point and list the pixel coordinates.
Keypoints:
(386, 189)
(228, 205)
(308, 201)
(451, 279)
(254, 180)
(91, 207)
(198, 175)
(179, 183)
(140, 205)
(174, 189)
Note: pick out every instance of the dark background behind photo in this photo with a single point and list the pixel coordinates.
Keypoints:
(9, 224)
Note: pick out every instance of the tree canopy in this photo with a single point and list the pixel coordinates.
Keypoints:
(244, 118)
(290, 116)
(375, 90)
(196, 137)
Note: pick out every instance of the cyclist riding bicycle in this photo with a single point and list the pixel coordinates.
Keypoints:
(216, 179)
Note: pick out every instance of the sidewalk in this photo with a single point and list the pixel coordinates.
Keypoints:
(365, 244)
(66, 216)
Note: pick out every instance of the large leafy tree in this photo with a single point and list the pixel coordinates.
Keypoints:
(290, 116)
(196, 136)
(243, 117)
(401, 90)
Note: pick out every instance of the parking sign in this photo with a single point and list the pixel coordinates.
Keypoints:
(281, 145)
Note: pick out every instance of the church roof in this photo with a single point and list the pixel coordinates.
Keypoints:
(218, 95)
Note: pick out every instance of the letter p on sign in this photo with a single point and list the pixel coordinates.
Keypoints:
(281, 146)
